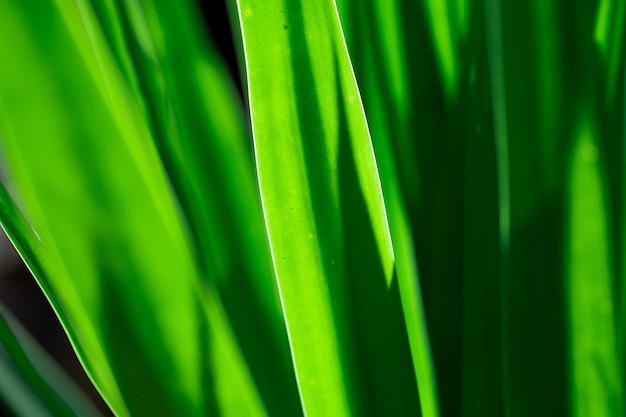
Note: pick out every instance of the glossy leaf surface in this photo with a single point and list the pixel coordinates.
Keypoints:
(324, 212)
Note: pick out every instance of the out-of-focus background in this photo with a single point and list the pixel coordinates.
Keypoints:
(19, 291)
(22, 296)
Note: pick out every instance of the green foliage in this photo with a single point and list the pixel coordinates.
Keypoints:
(434, 227)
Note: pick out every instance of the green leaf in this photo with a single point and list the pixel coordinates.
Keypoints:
(596, 378)
(380, 44)
(325, 214)
(560, 273)
(199, 130)
(412, 64)
(214, 168)
(485, 228)
(110, 246)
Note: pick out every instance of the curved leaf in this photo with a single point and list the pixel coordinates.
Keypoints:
(115, 257)
(325, 214)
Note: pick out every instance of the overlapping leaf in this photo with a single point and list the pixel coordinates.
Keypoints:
(324, 212)
(199, 130)
(113, 253)
(498, 88)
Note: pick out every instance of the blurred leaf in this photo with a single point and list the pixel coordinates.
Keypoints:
(596, 380)
(442, 32)
(201, 137)
(529, 151)
(560, 272)
(379, 45)
(32, 384)
(410, 60)
(119, 267)
(609, 36)
(485, 231)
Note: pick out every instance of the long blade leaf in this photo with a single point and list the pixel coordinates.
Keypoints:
(325, 214)
(122, 274)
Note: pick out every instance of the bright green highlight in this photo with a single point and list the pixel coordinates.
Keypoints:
(324, 211)
(602, 27)
(390, 27)
(385, 86)
(445, 44)
(596, 381)
(464, 261)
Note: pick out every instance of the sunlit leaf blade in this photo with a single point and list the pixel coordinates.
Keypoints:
(442, 32)
(433, 147)
(609, 36)
(32, 384)
(235, 390)
(115, 28)
(38, 260)
(200, 134)
(596, 381)
(420, 108)
(122, 275)
(324, 213)
(378, 49)
(602, 28)
(42, 261)
(608, 138)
